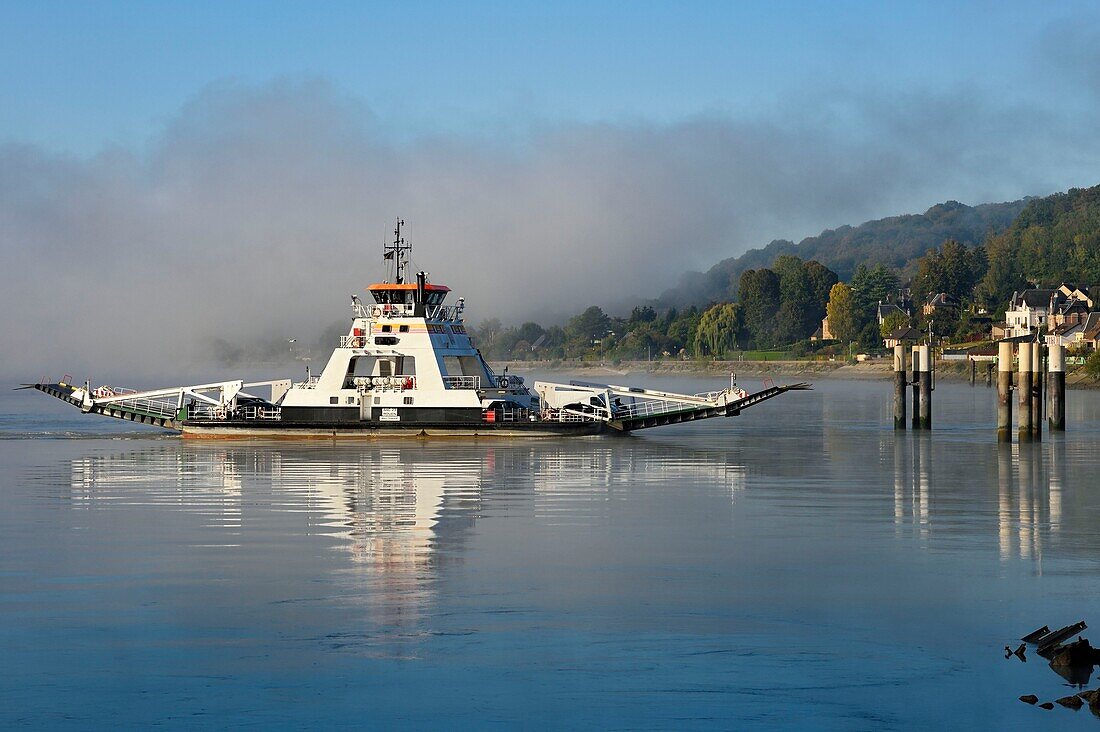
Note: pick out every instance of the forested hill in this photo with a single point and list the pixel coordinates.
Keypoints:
(896, 242)
(1054, 239)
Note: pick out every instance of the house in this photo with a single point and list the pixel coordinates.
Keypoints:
(900, 336)
(1077, 292)
(999, 331)
(1068, 334)
(939, 301)
(1090, 332)
(1029, 309)
(826, 334)
(886, 309)
(1070, 312)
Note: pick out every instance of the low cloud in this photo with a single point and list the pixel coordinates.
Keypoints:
(259, 209)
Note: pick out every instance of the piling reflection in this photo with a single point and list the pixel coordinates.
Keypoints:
(1030, 483)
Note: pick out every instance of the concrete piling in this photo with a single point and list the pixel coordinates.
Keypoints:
(1004, 392)
(1023, 392)
(1037, 391)
(925, 407)
(899, 387)
(988, 374)
(916, 386)
(1056, 387)
(973, 371)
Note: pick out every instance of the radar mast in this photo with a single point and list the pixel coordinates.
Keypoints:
(398, 252)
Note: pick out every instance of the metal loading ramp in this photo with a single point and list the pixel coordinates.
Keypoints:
(164, 408)
(626, 408)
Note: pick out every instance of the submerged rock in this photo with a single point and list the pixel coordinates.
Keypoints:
(1078, 653)
(1092, 697)
(1072, 701)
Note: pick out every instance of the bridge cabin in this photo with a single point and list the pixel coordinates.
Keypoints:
(407, 358)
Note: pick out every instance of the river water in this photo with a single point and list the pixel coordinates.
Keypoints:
(800, 566)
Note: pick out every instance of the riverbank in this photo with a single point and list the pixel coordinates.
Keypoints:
(1076, 378)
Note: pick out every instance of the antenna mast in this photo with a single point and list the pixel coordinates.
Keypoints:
(398, 251)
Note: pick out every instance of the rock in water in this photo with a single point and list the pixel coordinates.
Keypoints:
(1078, 653)
(1047, 705)
(1092, 697)
(1071, 701)
(1029, 698)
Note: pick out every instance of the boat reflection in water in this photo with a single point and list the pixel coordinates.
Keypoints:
(398, 512)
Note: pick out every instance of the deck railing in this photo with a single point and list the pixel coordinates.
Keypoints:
(462, 382)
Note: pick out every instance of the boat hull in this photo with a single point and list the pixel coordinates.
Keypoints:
(281, 430)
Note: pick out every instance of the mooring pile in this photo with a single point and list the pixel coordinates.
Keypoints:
(1034, 376)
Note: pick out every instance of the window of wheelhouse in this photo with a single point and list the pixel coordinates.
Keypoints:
(435, 298)
(393, 297)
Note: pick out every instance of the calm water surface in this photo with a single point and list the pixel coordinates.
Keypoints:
(799, 566)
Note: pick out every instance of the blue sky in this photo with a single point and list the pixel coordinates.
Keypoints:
(545, 157)
(75, 76)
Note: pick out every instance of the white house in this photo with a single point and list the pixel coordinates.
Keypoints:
(1028, 310)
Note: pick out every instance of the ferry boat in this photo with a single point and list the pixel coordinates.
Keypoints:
(407, 367)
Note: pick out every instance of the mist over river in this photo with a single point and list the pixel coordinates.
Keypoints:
(799, 566)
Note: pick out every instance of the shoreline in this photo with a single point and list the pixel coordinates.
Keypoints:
(881, 369)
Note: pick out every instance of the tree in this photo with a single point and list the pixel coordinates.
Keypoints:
(795, 319)
(759, 293)
(870, 287)
(1092, 365)
(821, 280)
(719, 330)
(892, 322)
(843, 320)
(592, 324)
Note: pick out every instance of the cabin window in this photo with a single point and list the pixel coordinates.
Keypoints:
(386, 328)
(385, 341)
(351, 400)
(385, 368)
(334, 400)
(408, 400)
(378, 400)
(403, 328)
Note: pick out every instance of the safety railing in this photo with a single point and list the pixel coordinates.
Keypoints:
(353, 341)
(653, 407)
(461, 382)
(218, 413)
(568, 415)
(310, 383)
(163, 407)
